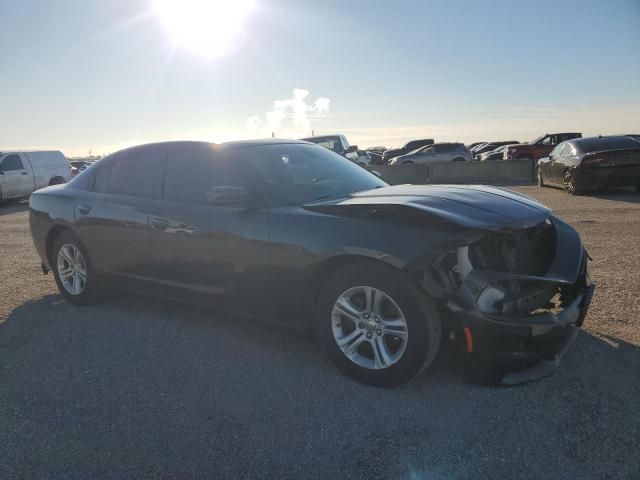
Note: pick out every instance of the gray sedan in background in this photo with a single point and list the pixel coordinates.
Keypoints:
(439, 152)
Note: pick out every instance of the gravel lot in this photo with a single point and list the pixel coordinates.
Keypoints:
(145, 387)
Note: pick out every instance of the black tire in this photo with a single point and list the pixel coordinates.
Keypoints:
(91, 291)
(458, 159)
(56, 181)
(570, 184)
(539, 176)
(424, 326)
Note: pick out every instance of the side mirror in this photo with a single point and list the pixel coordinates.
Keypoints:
(228, 195)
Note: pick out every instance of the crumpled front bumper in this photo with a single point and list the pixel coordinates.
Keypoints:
(512, 349)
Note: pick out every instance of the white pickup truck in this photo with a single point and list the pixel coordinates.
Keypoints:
(22, 173)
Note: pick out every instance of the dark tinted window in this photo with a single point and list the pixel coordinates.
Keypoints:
(11, 162)
(191, 173)
(597, 144)
(101, 179)
(301, 173)
(135, 175)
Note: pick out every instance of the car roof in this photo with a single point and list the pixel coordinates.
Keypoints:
(194, 143)
(602, 143)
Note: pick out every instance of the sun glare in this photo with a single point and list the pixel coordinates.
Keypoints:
(207, 27)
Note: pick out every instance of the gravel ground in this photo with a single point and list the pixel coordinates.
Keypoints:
(143, 387)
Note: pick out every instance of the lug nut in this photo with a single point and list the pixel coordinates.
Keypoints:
(369, 335)
(361, 325)
(366, 315)
(377, 319)
(379, 332)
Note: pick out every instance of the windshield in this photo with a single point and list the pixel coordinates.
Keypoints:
(305, 173)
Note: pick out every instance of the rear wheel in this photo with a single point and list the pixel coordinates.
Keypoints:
(73, 270)
(376, 325)
(56, 181)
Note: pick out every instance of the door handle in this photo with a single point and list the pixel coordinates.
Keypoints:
(160, 223)
(84, 209)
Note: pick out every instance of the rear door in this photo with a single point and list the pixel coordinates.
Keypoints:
(112, 216)
(16, 178)
(204, 253)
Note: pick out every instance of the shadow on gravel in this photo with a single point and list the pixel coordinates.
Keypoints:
(9, 208)
(627, 195)
(145, 387)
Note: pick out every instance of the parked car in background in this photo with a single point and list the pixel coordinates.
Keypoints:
(78, 166)
(490, 146)
(375, 154)
(439, 152)
(407, 148)
(495, 154)
(337, 144)
(471, 146)
(290, 232)
(539, 148)
(364, 158)
(584, 164)
(635, 136)
(22, 173)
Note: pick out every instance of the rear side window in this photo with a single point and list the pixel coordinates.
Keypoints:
(101, 179)
(11, 162)
(191, 173)
(135, 175)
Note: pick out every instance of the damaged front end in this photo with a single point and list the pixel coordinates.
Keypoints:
(517, 296)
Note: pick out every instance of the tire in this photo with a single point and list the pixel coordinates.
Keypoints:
(408, 162)
(570, 184)
(56, 181)
(539, 176)
(406, 354)
(458, 159)
(89, 290)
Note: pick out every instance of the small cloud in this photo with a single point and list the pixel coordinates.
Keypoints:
(291, 117)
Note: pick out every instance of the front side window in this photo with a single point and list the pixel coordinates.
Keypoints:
(11, 162)
(191, 173)
(548, 140)
(135, 175)
(301, 173)
(567, 150)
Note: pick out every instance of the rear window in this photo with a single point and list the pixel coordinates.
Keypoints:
(588, 145)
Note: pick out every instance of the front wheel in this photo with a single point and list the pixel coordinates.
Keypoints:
(73, 271)
(570, 184)
(376, 325)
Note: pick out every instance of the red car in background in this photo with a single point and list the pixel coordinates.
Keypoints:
(540, 147)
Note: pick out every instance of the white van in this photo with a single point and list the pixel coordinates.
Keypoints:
(22, 173)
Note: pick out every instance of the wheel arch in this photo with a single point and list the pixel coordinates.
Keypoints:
(321, 272)
(51, 237)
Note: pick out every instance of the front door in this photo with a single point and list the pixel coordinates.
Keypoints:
(15, 180)
(209, 253)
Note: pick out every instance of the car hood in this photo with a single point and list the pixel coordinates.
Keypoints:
(473, 206)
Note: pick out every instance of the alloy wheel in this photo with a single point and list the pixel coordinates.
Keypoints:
(72, 269)
(369, 327)
(569, 183)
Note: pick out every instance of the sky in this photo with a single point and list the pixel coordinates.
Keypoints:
(100, 75)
